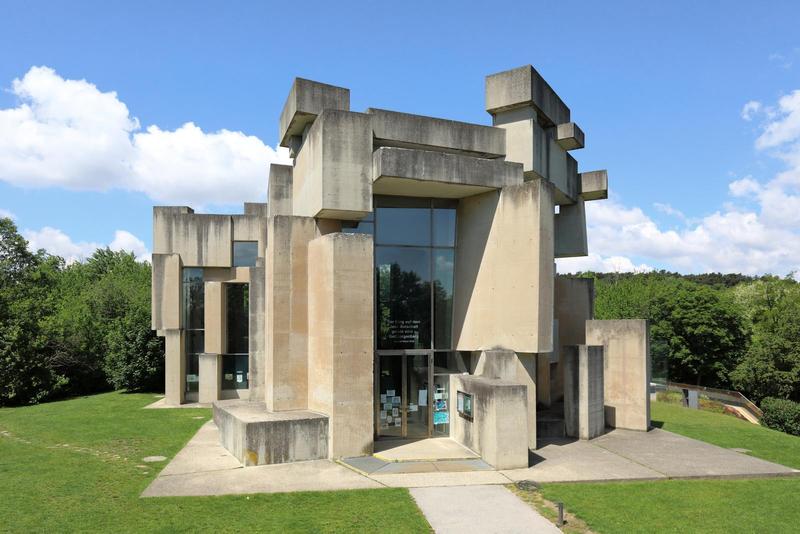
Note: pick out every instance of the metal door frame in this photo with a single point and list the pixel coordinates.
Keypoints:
(403, 355)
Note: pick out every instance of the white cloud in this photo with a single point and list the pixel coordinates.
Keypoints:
(7, 214)
(744, 187)
(68, 133)
(56, 242)
(786, 124)
(669, 210)
(750, 109)
(596, 263)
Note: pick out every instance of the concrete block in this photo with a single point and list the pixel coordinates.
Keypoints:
(562, 171)
(174, 368)
(570, 231)
(210, 385)
(251, 228)
(257, 342)
(543, 379)
(280, 190)
(405, 130)
(258, 437)
(569, 136)
(520, 368)
(341, 342)
(214, 311)
(574, 305)
(308, 99)
(504, 270)
(583, 391)
(332, 176)
(525, 87)
(166, 291)
(627, 370)
(286, 366)
(498, 430)
(594, 185)
(201, 240)
(422, 173)
(259, 209)
(527, 142)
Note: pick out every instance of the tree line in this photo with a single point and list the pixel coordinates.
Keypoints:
(69, 330)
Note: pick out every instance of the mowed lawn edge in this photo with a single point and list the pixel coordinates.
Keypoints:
(749, 505)
(76, 465)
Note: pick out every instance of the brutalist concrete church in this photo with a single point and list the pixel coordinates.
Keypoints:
(400, 284)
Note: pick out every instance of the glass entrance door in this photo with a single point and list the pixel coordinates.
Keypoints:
(404, 396)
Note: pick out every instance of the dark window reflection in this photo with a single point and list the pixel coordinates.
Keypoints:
(403, 226)
(404, 305)
(444, 227)
(245, 253)
(235, 371)
(238, 308)
(442, 297)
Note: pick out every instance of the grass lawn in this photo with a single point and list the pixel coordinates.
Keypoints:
(756, 505)
(76, 465)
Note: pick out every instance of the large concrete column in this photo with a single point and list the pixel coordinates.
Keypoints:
(286, 369)
(214, 317)
(174, 367)
(543, 379)
(340, 357)
(583, 391)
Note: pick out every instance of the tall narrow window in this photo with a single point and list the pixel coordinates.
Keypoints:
(193, 311)
(235, 363)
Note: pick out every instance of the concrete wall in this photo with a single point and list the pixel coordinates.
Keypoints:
(341, 339)
(307, 99)
(504, 270)
(583, 391)
(174, 368)
(280, 190)
(201, 240)
(210, 386)
(498, 429)
(332, 175)
(570, 229)
(166, 292)
(251, 228)
(257, 342)
(286, 365)
(627, 370)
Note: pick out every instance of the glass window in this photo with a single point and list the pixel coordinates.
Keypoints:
(444, 227)
(193, 311)
(404, 305)
(238, 317)
(235, 371)
(403, 226)
(245, 253)
(443, 297)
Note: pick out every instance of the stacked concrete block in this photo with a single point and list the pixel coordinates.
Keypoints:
(307, 99)
(626, 346)
(584, 416)
(166, 292)
(570, 230)
(280, 190)
(594, 185)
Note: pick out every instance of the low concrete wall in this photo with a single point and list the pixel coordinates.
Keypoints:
(583, 391)
(257, 437)
(498, 428)
(626, 347)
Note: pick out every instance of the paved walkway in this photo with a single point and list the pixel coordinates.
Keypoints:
(204, 467)
(484, 509)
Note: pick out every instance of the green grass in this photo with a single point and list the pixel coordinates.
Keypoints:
(76, 465)
(728, 432)
(757, 505)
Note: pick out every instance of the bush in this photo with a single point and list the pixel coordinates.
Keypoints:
(135, 356)
(781, 414)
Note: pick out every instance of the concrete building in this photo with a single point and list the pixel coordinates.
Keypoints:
(400, 283)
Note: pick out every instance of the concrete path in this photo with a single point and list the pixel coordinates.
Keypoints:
(204, 467)
(432, 449)
(484, 509)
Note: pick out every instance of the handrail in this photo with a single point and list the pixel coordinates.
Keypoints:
(734, 397)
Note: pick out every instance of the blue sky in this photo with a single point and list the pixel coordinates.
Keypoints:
(659, 88)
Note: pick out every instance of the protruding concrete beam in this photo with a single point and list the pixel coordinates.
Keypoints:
(569, 136)
(405, 130)
(422, 173)
(594, 185)
(521, 87)
(570, 230)
(306, 100)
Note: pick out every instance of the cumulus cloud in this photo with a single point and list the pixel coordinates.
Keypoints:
(764, 238)
(7, 214)
(68, 133)
(58, 243)
(750, 109)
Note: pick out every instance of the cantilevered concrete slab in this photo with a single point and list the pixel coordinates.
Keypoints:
(405, 130)
(307, 99)
(424, 173)
(524, 86)
(594, 185)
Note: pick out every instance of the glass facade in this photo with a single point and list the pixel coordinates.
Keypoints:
(235, 362)
(193, 310)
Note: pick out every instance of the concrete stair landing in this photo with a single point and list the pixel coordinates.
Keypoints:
(258, 437)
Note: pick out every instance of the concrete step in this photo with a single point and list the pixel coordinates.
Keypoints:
(550, 428)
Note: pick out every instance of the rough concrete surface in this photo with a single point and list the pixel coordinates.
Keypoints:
(478, 509)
